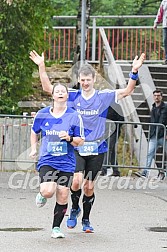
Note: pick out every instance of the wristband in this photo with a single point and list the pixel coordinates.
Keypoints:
(133, 76)
(71, 139)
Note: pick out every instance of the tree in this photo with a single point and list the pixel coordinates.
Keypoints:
(125, 7)
(21, 29)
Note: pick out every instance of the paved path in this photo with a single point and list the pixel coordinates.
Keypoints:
(123, 212)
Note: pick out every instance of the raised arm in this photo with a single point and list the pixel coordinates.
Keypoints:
(39, 60)
(137, 63)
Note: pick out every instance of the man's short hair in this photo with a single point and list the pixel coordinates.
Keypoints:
(86, 69)
(158, 91)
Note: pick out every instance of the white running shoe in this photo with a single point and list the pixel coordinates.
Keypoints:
(56, 233)
(40, 200)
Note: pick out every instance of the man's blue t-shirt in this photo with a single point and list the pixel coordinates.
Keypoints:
(93, 112)
(55, 152)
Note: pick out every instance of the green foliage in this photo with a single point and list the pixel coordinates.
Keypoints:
(66, 7)
(124, 7)
(21, 30)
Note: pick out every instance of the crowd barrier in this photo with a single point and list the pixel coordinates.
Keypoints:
(15, 143)
(131, 147)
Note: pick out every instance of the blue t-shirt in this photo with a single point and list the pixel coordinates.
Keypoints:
(94, 113)
(55, 152)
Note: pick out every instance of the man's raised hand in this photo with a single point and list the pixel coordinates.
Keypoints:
(137, 62)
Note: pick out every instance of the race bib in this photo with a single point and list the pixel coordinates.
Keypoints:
(88, 148)
(57, 148)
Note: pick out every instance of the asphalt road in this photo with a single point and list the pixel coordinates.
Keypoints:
(124, 211)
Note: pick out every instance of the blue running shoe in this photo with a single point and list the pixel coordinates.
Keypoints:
(72, 220)
(86, 226)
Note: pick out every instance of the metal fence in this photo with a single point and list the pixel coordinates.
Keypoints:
(125, 41)
(130, 148)
(15, 143)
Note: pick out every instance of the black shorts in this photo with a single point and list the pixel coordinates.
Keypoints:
(49, 174)
(89, 165)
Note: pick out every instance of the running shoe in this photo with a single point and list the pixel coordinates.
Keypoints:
(143, 174)
(72, 220)
(40, 200)
(56, 233)
(116, 174)
(161, 175)
(86, 226)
